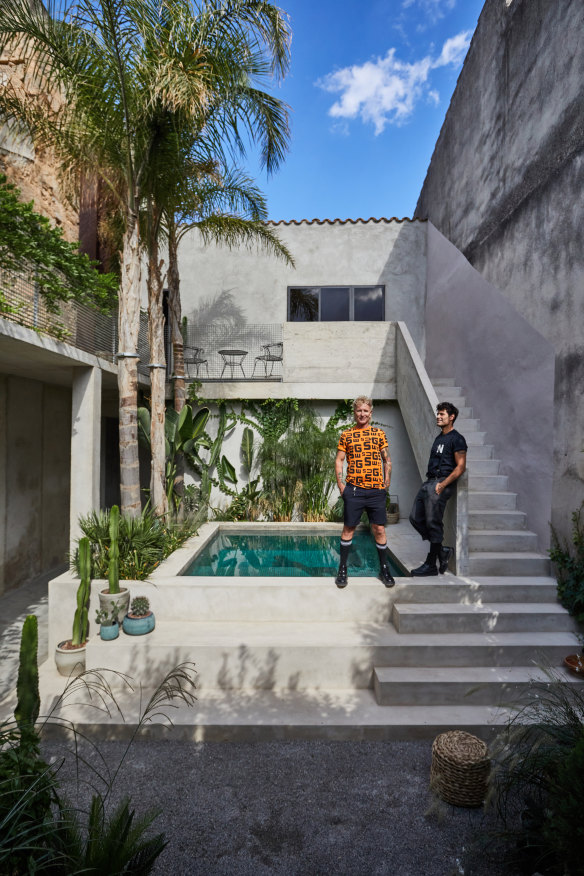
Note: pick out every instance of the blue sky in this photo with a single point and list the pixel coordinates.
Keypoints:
(369, 85)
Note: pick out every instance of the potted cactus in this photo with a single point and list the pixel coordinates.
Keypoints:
(109, 627)
(70, 654)
(119, 596)
(140, 619)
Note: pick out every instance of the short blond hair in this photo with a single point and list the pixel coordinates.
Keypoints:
(363, 400)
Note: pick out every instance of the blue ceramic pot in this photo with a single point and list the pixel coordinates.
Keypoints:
(111, 631)
(139, 626)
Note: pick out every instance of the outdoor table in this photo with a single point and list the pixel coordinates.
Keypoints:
(233, 359)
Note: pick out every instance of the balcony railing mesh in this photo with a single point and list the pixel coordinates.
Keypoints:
(227, 352)
(212, 352)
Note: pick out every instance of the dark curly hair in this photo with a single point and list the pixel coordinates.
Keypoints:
(449, 408)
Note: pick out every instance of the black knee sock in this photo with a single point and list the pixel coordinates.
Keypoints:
(345, 550)
(382, 553)
(434, 554)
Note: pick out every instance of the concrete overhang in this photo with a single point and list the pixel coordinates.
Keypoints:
(25, 353)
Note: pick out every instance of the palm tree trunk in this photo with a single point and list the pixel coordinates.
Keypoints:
(128, 326)
(174, 310)
(157, 378)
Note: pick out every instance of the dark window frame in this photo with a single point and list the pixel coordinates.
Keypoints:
(351, 289)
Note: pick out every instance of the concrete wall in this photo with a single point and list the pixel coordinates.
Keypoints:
(505, 367)
(387, 252)
(405, 479)
(35, 443)
(504, 186)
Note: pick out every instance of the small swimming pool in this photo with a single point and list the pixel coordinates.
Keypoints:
(286, 554)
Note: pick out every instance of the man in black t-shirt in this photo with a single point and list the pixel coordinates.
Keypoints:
(446, 464)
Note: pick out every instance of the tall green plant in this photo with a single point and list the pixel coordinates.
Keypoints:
(569, 563)
(113, 570)
(80, 621)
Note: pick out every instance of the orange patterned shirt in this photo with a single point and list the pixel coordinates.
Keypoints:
(362, 448)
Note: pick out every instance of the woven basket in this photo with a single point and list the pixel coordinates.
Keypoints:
(392, 509)
(460, 768)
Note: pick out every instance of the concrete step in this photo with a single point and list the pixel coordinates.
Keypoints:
(483, 466)
(479, 451)
(464, 424)
(455, 686)
(502, 617)
(474, 438)
(489, 519)
(508, 563)
(443, 381)
(448, 589)
(297, 656)
(487, 483)
(502, 540)
(261, 716)
(491, 500)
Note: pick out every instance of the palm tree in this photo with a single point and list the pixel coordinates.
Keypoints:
(113, 76)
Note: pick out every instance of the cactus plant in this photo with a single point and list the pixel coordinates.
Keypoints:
(27, 686)
(140, 606)
(80, 621)
(113, 572)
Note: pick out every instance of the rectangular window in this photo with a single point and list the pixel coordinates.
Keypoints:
(336, 303)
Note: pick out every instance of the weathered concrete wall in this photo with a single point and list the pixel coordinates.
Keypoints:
(504, 186)
(331, 253)
(35, 423)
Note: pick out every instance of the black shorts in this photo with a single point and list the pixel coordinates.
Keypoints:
(358, 499)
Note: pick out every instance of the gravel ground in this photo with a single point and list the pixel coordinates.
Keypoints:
(297, 809)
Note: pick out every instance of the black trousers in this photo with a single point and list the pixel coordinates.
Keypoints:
(428, 511)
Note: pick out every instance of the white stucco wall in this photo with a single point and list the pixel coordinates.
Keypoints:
(387, 252)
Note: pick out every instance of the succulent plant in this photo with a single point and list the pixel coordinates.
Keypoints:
(105, 617)
(140, 606)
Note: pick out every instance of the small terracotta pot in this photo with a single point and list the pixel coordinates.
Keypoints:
(575, 662)
(139, 626)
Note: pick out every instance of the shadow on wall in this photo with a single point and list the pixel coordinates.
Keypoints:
(404, 277)
(221, 309)
(507, 368)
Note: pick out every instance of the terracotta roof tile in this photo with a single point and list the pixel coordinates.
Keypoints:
(341, 221)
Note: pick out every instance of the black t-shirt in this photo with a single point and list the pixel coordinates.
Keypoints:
(442, 461)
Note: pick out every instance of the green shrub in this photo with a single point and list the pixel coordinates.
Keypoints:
(143, 541)
(570, 567)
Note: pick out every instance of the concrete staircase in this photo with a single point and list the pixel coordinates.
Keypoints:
(297, 658)
(499, 541)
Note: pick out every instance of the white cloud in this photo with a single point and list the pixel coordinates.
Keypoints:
(434, 8)
(385, 90)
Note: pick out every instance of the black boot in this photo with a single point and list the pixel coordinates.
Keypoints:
(384, 571)
(427, 568)
(342, 577)
(445, 554)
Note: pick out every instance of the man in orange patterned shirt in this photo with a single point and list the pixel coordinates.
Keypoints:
(368, 477)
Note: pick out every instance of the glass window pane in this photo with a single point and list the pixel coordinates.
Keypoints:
(369, 303)
(303, 305)
(334, 304)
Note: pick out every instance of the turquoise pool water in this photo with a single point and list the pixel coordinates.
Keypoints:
(274, 554)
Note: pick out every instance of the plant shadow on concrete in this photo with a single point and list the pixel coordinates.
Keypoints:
(41, 831)
(537, 784)
(569, 566)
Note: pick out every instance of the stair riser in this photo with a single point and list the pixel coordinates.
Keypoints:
(508, 565)
(466, 425)
(491, 501)
(487, 483)
(475, 438)
(305, 667)
(502, 540)
(476, 623)
(243, 667)
(483, 467)
(479, 451)
(451, 693)
(503, 520)
(451, 592)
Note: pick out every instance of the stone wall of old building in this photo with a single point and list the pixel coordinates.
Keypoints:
(33, 170)
(505, 187)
